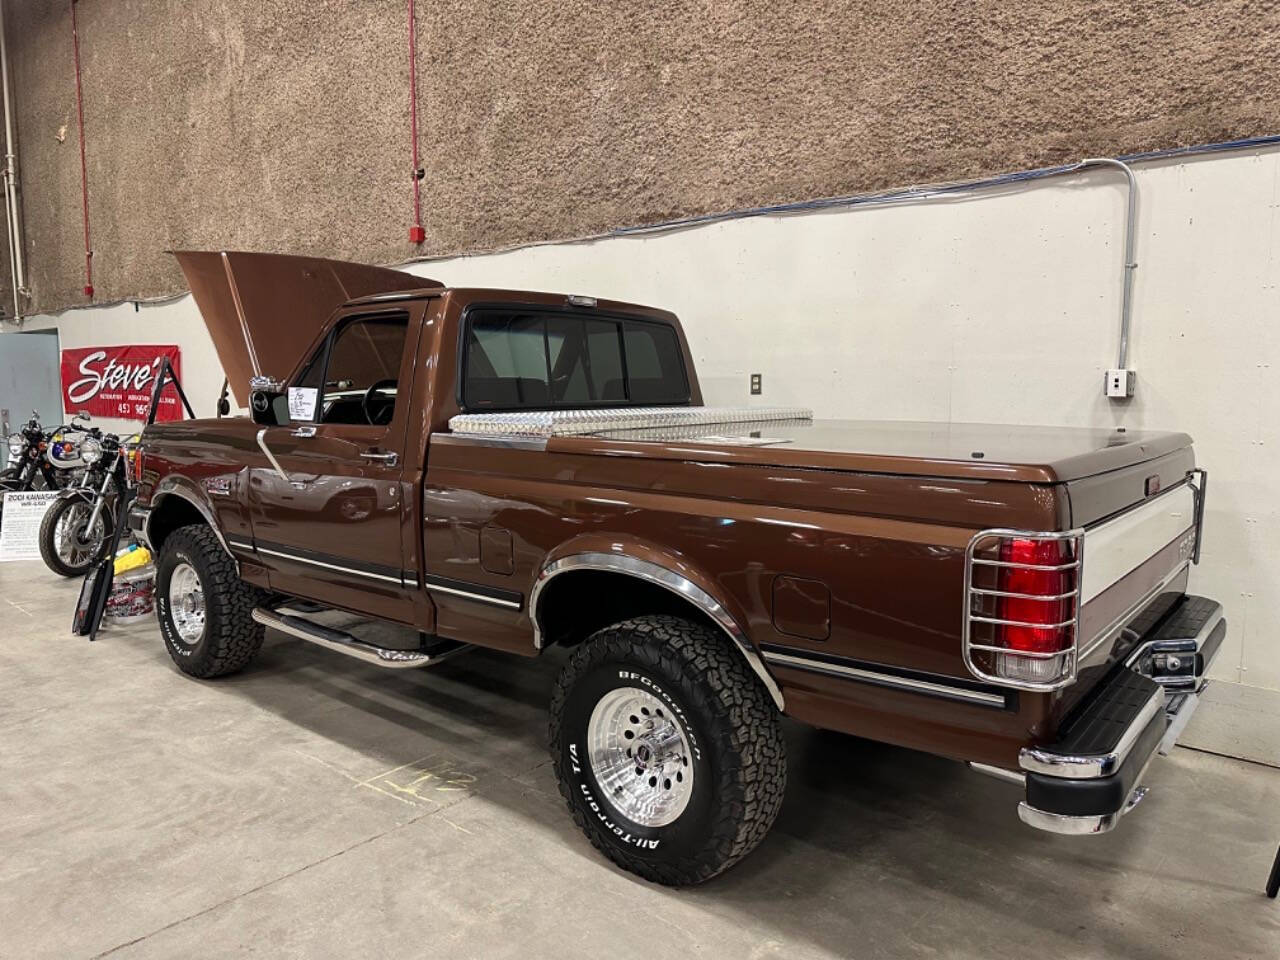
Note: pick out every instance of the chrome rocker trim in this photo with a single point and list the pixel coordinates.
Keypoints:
(667, 579)
(311, 561)
(947, 691)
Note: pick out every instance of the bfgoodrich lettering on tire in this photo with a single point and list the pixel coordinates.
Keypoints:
(667, 749)
(205, 610)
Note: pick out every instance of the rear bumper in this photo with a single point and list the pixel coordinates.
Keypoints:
(1092, 775)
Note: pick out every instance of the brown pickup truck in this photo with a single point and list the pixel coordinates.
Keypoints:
(519, 470)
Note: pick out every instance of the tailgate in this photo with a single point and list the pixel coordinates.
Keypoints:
(1141, 530)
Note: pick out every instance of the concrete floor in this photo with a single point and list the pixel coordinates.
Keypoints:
(316, 807)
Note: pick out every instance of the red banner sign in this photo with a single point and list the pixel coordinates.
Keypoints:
(117, 381)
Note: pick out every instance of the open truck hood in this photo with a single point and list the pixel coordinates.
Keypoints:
(264, 309)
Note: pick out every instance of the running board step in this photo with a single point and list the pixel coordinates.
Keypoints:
(343, 642)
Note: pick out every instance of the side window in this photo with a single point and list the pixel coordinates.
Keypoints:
(653, 352)
(507, 361)
(604, 354)
(360, 382)
(542, 360)
(586, 361)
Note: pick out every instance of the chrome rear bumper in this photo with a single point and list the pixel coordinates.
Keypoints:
(1092, 776)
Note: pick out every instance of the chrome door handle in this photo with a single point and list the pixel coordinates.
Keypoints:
(304, 432)
(390, 459)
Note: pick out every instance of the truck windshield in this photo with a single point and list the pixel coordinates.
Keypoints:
(540, 360)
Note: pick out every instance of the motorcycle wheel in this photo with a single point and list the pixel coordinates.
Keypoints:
(69, 549)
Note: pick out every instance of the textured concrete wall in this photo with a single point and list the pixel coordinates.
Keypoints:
(282, 124)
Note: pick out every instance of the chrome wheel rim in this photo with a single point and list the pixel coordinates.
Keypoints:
(186, 603)
(640, 757)
(71, 538)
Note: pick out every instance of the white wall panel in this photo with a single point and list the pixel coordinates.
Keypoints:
(999, 307)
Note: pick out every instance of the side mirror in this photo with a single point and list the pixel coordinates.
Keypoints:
(82, 415)
(268, 401)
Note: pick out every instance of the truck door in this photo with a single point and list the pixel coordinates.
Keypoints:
(327, 502)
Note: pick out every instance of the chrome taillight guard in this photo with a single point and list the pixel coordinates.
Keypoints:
(969, 647)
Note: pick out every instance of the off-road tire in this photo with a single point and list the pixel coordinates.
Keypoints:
(49, 527)
(739, 759)
(231, 638)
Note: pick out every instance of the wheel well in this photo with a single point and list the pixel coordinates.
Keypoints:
(168, 515)
(575, 604)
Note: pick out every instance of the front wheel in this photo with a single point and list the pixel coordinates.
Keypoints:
(668, 750)
(205, 610)
(68, 546)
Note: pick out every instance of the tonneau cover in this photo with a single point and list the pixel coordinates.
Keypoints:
(1033, 454)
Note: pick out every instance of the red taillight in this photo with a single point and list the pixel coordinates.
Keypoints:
(1022, 608)
(1054, 581)
(136, 456)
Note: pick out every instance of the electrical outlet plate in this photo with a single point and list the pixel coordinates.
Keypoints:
(1120, 383)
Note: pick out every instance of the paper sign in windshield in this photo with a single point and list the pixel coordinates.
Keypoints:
(302, 403)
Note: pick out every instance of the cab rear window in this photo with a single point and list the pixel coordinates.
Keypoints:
(545, 360)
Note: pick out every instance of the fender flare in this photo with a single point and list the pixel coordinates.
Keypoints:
(182, 488)
(664, 577)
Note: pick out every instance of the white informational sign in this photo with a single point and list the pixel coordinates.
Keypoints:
(20, 524)
(302, 403)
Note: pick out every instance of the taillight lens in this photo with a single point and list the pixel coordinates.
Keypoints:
(1023, 608)
(135, 455)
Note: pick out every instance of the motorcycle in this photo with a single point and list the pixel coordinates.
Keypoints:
(30, 467)
(77, 528)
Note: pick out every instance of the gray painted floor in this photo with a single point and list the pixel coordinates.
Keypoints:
(1237, 721)
(316, 807)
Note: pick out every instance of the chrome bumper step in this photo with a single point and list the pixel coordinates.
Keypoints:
(340, 641)
(1092, 776)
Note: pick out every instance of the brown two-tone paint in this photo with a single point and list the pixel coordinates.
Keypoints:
(843, 545)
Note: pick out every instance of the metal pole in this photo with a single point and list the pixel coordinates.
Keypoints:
(11, 175)
(1130, 265)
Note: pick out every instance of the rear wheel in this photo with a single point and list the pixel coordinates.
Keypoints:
(68, 546)
(205, 610)
(668, 750)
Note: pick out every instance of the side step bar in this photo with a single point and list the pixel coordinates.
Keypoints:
(343, 642)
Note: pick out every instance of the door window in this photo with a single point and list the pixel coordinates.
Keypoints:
(361, 365)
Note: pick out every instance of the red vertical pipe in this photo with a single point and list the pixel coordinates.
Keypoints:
(416, 233)
(84, 172)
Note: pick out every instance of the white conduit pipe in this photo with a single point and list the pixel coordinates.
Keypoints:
(1130, 264)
